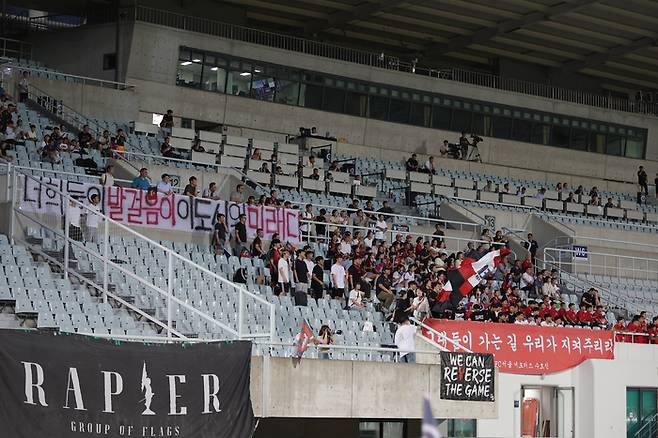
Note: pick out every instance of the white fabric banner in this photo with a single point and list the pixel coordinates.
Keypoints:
(144, 208)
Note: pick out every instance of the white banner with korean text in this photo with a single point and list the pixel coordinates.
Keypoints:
(146, 208)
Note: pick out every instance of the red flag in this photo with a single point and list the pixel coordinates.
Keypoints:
(462, 281)
(302, 339)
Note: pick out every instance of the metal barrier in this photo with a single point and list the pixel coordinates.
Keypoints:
(382, 60)
(39, 72)
(610, 265)
(103, 254)
(59, 109)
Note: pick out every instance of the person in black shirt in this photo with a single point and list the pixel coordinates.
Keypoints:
(478, 314)
(85, 139)
(219, 234)
(320, 227)
(240, 234)
(532, 246)
(317, 279)
(167, 120)
(190, 189)
(240, 276)
(642, 180)
(439, 233)
(167, 150)
(463, 145)
(412, 163)
(301, 273)
(354, 273)
(385, 208)
(257, 250)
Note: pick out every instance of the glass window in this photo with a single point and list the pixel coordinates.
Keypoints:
(189, 74)
(597, 142)
(522, 130)
(378, 107)
(481, 124)
(334, 100)
(579, 139)
(310, 96)
(286, 92)
(502, 127)
(560, 136)
(635, 147)
(441, 117)
(214, 79)
(399, 111)
(461, 120)
(356, 104)
(391, 429)
(238, 83)
(420, 114)
(263, 85)
(184, 54)
(615, 145)
(541, 134)
(462, 428)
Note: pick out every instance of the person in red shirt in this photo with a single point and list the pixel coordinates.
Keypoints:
(584, 315)
(619, 328)
(545, 309)
(653, 330)
(562, 311)
(599, 318)
(635, 327)
(570, 316)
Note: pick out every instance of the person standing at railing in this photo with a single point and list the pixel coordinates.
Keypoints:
(107, 178)
(405, 339)
(642, 182)
(23, 88)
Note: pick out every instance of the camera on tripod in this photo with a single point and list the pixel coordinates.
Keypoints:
(476, 139)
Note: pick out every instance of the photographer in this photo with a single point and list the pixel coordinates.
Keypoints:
(325, 337)
(463, 145)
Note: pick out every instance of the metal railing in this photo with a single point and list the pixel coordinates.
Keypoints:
(649, 429)
(575, 283)
(150, 158)
(98, 249)
(34, 71)
(388, 62)
(389, 235)
(58, 109)
(11, 48)
(610, 265)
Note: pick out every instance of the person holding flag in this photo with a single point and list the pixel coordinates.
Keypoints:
(470, 273)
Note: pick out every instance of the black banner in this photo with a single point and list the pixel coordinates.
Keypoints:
(75, 386)
(467, 376)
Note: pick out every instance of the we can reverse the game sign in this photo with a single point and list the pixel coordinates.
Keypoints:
(467, 376)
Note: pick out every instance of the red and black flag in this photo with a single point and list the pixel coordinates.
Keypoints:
(461, 281)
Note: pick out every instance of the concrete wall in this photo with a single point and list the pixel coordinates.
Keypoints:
(600, 393)
(153, 60)
(350, 389)
(343, 389)
(91, 101)
(80, 50)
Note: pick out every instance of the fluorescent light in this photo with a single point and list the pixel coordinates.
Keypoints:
(186, 63)
(245, 73)
(214, 68)
(257, 71)
(196, 60)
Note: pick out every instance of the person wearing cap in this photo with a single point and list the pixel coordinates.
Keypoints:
(142, 181)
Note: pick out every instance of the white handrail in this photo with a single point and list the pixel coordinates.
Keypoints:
(166, 250)
(644, 265)
(220, 166)
(440, 335)
(9, 63)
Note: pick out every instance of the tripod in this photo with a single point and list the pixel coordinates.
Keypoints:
(473, 153)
